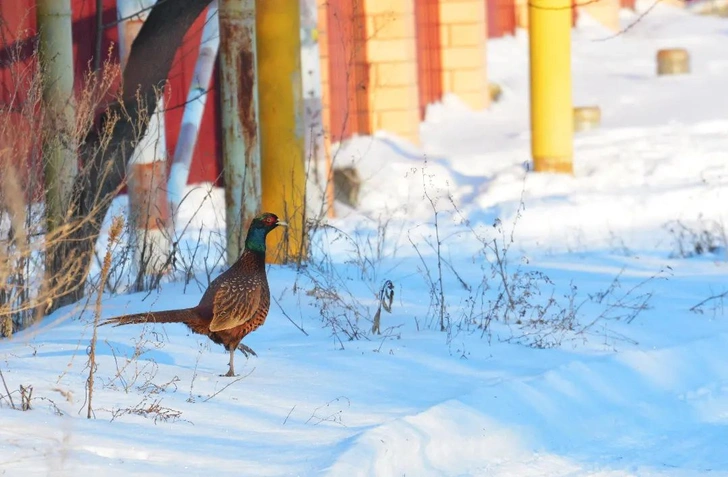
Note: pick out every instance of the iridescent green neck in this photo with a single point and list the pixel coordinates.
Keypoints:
(255, 241)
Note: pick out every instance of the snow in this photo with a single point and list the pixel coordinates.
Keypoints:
(625, 377)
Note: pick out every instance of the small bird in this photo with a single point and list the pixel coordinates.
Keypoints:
(235, 304)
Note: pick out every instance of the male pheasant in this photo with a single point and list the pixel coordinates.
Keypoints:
(235, 304)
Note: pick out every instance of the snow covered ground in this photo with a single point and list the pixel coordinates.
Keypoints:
(595, 361)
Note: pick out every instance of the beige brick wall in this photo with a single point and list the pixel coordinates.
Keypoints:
(388, 69)
(400, 51)
(391, 59)
(460, 12)
(522, 13)
(463, 41)
(391, 74)
(605, 12)
(385, 68)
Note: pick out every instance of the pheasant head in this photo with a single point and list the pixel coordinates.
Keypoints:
(259, 228)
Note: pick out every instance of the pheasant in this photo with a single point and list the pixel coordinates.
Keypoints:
(235, 304)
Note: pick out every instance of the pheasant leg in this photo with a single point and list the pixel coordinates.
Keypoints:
(231, 371)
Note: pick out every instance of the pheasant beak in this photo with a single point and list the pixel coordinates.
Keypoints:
(280, 222)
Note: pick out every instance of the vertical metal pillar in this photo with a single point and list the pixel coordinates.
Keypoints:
(239, 98)
(56, 60)
(552, 125)
(281, 123)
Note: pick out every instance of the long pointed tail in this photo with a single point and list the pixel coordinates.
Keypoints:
(186, 316)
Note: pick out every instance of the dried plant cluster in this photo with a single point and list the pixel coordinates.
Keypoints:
(508, 298)
(30, 242)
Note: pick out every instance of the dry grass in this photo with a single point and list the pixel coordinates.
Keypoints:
(29, 242)
(116, 229)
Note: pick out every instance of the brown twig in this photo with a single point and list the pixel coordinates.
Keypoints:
(720, 296)
(10, 397)
(228, 385)
(288, 317)
(116, 228)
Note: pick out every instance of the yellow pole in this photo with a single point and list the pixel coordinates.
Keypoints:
(282, 146)
(552, 126)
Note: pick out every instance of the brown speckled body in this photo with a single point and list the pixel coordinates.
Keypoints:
(238, 282)
(234, 305)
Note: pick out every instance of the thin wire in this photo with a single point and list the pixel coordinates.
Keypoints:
(631, 25)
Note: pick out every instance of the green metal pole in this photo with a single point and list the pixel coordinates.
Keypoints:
(56, 62)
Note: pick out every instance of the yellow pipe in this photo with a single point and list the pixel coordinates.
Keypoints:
(280, 100)
(552, 126)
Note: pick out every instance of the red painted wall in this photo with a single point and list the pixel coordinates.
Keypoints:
(207, 160)
(347, 69)
(17, 37)
(429, 61)
(501, 17)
